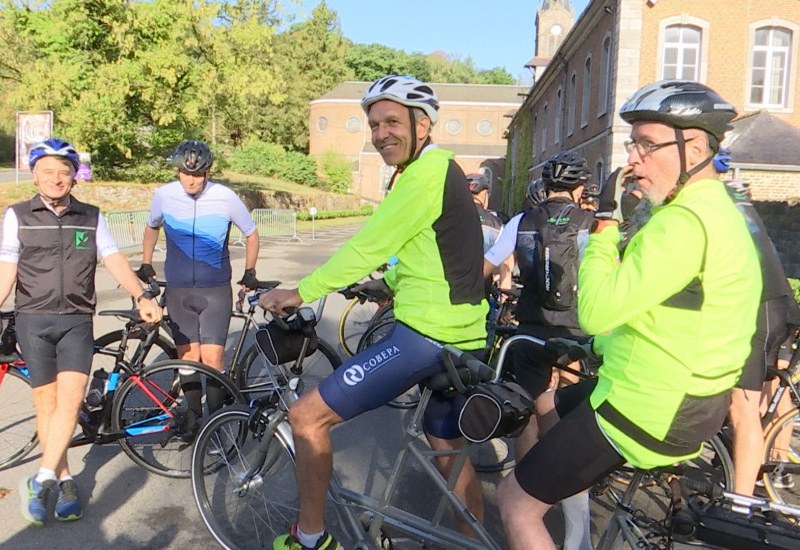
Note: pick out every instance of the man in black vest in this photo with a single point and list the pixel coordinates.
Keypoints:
(547, 306)
(49, 249)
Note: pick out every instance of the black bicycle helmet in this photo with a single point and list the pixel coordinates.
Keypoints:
(477, 183)
(536, 193)
(682, 104)
(591, 190)
(193, 157)
(565, 171)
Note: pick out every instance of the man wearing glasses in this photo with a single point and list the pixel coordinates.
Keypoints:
(670, 351)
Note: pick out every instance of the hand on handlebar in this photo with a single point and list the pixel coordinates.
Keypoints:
(276, 301)
(569, 350)
(145, 273)
(374, 291)
(149, 310)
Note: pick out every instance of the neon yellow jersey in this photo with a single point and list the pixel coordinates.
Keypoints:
(430, 223)
(681, 307)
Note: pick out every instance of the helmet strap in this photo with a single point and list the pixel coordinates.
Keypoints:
(685, 175)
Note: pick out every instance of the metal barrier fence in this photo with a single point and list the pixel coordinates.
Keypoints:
(127, 227)
(270, 223)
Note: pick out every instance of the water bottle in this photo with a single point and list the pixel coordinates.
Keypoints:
(97, 390)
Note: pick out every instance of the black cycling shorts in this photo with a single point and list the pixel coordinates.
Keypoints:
(772, 330)
(574, 455)
(199, 315)
(51, 344)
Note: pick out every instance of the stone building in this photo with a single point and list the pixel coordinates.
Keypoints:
(745, 49)
(473, 119)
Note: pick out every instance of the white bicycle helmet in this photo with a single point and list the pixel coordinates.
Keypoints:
(404, 90)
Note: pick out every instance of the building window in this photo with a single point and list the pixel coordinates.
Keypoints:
(544, 128)
(322, 124)
(573, 90)
(453, 127)
(587, 91)
(559, 116)
(605, 63)
(770, 72)
(682, 52)
(533, 135)
(353, 124)
(485, 127)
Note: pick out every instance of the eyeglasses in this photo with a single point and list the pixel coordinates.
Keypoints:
(645, 148)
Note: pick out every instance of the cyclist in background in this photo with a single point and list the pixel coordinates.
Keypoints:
(197, 215)
(772, 329)
(673, 353)
(548, 240)
(491, 227)
(438, 289)
(49, 249)
(590, 196)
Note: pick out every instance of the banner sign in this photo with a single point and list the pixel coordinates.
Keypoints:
(31, 129)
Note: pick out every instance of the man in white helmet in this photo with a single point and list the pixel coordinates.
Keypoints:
(670, 351)
(430, 223)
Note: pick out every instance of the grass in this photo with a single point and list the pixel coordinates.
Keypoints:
(332, 222)
(237, 180)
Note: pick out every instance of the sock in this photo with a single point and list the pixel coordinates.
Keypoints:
(577, 524)
(45, 474)
(65, 478)
(309, 541)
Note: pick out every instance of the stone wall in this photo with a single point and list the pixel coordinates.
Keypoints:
(782, 221)
(138, 197)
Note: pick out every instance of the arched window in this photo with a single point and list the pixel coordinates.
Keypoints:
(573, 91)
(558, 117)
(605, 67)
(587, 91)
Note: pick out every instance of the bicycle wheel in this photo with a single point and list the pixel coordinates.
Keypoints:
(17, 418)
(781, 452)
(355, 320)
(241, 511)
(161, 350)
(160, 441)
(254, 374)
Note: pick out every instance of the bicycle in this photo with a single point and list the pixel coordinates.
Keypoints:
(707, 514)
(252, 374)
(244, 484)
(18, 425)
(364, 311)
(145, 408)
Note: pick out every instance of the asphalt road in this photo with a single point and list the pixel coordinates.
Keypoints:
(10, 176)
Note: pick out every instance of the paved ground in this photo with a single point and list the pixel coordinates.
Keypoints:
(9, 176)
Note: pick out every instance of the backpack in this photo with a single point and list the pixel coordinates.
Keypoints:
(553, 253)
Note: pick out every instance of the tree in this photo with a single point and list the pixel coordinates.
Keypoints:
(311, 57)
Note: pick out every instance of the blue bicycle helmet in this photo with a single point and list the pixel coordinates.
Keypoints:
(53, 147)
(722, 160)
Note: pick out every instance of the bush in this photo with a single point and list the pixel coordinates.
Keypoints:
(268, 159)
(297, 167)
(366, 210)
(257, 157)
(336, 170)
(795, 284)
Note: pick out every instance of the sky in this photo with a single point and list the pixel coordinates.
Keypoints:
(493, 34)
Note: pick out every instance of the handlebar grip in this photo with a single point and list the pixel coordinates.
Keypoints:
(267, 285)
(154, 290)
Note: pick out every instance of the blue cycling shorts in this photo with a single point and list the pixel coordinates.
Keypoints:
(372, 378)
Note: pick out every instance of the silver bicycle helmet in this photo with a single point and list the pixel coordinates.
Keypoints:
(404, 90)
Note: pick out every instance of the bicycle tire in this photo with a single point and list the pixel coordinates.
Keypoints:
(18, 413)
(162, 349)
(168, 452)
(243, 515)
(252, 374)
(781, 452)
(355, 320)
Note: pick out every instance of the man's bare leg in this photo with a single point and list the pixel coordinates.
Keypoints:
(468, 486)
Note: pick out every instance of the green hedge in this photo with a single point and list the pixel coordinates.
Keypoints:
(795, 284)
(366, 210)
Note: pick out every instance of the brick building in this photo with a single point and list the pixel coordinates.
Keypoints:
(747, 50)
(473, 119)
